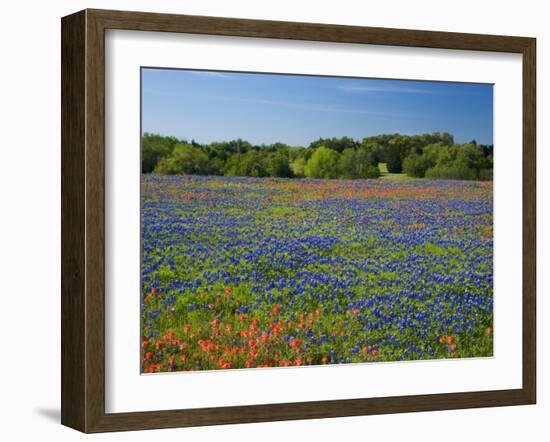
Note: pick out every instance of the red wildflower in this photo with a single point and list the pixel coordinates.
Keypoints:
(451, 347)
(205, 345)
(222, 363)
(153, 368)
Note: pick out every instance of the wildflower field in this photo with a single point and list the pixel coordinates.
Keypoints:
(260, 272)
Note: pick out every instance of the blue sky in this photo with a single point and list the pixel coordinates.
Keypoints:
(264, 108)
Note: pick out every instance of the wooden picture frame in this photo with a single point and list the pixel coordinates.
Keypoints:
(83, 220)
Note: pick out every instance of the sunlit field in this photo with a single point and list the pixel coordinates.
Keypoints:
(260, 272)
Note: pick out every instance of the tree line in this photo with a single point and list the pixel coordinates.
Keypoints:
(433, 156)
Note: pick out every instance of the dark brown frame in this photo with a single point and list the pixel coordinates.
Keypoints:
(83, 217)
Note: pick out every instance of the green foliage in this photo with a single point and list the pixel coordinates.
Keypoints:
(432, 156)
(413, 165)
(298, 167)
(455, 162)
(392, 149)
(397, 149)
(416, 164)
(354, 164)
(185, 159)
(249, 164)
(337, 144)
(485, 174)
(323, 164)
(153, 149)
(451, 172)
(371, 172)
(278, 165)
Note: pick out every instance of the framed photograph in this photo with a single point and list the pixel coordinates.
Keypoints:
(268, 220)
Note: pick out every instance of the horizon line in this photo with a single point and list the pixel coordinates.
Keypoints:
(191, 139)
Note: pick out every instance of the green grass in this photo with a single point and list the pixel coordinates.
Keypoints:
(385, 175)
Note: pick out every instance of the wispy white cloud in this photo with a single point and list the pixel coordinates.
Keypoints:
(385, 88)
(293, 104)
(297, 104)
(212, 74)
